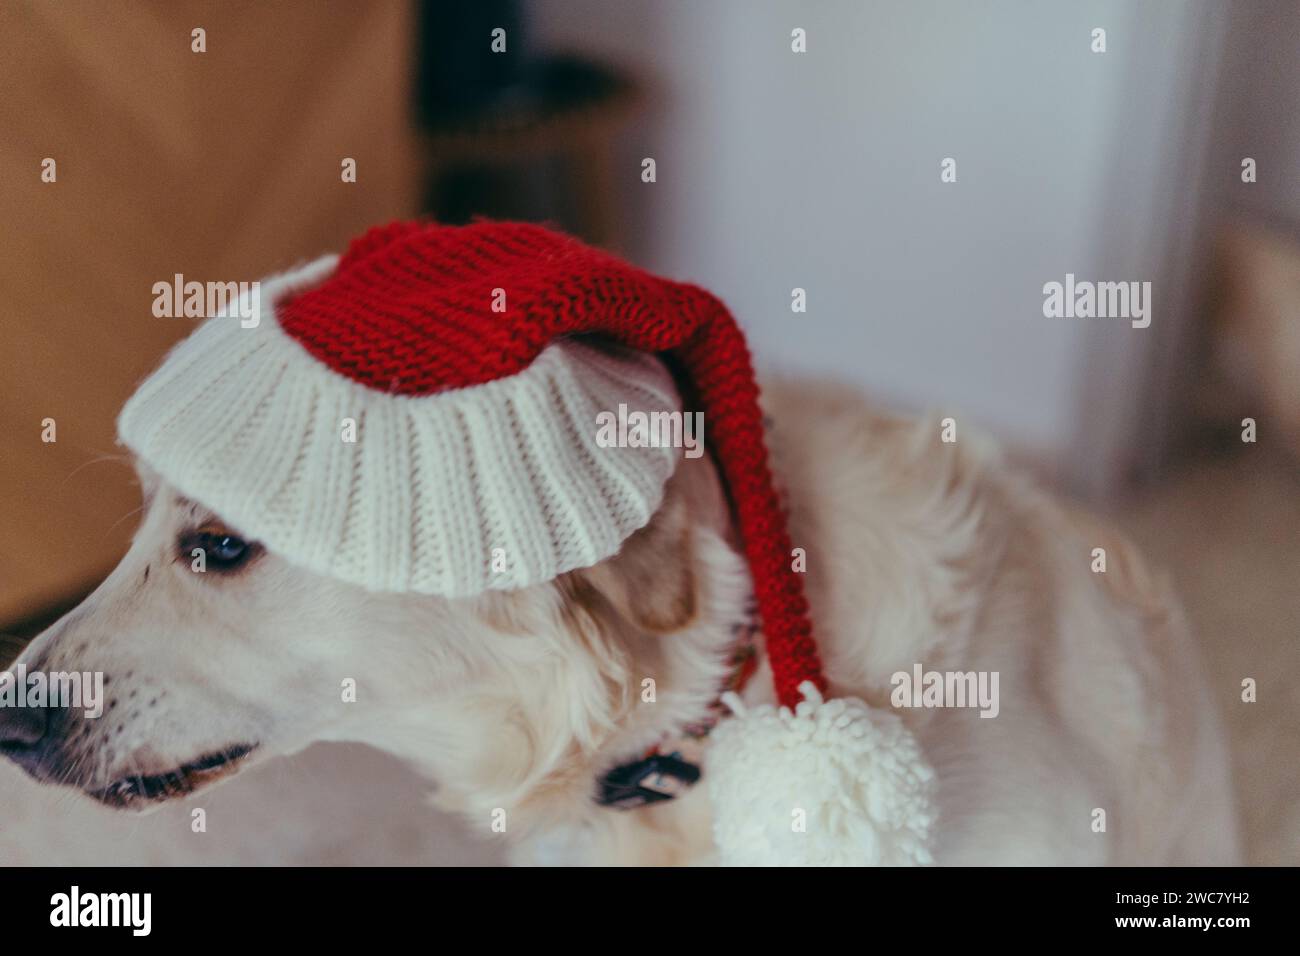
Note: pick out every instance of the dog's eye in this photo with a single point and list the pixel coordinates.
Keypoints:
(222, 550)
(226, 549)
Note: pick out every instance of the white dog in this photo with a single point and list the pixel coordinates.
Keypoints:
(1104, 749)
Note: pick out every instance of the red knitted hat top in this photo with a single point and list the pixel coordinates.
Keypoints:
(409, 311)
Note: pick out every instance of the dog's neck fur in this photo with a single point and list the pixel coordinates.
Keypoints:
(592, 671)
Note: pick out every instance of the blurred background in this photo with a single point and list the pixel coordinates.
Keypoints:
(1173, 157)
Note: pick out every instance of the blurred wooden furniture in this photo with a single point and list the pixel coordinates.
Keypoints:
(543, 151)
(223, 165)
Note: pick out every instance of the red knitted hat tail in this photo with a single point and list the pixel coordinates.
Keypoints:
(408, 311)
(717, 361)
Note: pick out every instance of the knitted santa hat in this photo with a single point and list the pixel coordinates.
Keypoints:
(418, 415)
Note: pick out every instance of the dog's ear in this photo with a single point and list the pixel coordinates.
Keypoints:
(650, 582)
(654, 581)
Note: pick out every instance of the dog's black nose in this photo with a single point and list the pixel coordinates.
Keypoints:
(22, 729)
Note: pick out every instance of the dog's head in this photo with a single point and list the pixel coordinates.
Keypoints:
(216, 652)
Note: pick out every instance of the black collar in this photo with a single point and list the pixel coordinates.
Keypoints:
(671, 767)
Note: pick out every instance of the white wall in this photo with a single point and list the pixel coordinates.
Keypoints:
(821, 170)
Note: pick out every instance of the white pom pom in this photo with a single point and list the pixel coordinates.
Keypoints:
(834, 783)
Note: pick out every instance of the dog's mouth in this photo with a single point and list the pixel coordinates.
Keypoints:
(137, 789)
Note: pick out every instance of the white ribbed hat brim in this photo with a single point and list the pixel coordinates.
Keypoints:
(496, 486)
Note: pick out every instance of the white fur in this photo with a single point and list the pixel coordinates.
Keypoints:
(918, 551)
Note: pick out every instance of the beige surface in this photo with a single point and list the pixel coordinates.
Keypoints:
(221, 166)
(332, 805)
